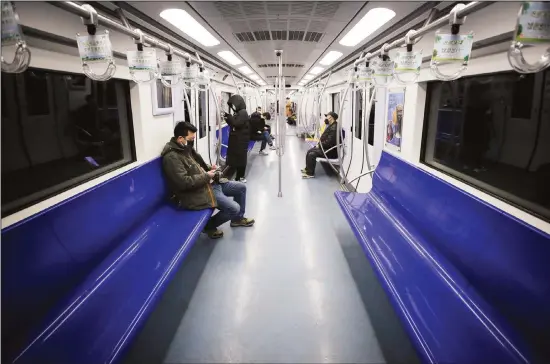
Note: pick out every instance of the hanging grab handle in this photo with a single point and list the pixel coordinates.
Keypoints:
(94, 48)
(142, 61)
(408, 62)
(12, 35)
(171, 69)
(383, 67)
(539, 32)
(452, 48)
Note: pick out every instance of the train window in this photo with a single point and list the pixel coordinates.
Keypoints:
(64, 131)
(335, 101)
(491, 131)
(225, 97)
(36, 89)
(203, 113)
(522, 97)
(358, 113)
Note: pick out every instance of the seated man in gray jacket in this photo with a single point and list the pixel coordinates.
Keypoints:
(197, 186)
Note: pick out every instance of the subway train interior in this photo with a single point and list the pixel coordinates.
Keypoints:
(275, 182)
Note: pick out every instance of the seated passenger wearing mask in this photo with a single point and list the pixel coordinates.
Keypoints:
(327, 141)
(197, 186)
(259, 130)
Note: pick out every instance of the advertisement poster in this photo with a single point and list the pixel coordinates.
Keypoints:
(394, 117)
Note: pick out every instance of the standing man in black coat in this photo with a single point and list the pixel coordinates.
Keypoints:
(239, 136)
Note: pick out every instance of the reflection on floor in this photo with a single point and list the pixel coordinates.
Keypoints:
(283, 291)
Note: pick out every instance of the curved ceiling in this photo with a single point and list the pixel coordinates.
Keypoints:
(304, 30)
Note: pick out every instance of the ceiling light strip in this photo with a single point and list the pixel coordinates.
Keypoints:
(182, 20)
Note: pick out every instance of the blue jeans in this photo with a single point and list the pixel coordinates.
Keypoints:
(229, 209)
(266, 139)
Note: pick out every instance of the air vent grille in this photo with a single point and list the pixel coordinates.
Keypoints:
(278, 34)
(266, 35)
(245, 37)
(273, 65)
(278, 76)
(313, 37)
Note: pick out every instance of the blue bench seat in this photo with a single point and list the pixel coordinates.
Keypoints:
(469, 282)
(225, 141)
(79, 288)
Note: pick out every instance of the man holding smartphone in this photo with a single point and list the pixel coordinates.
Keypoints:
(197, 186)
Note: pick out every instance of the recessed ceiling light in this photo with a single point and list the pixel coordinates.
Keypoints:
(245, 69)
(372, 20)
(187, 24)
(308, 77)
(255, 77)
(230, 57)
(330, 58)
(316, 70)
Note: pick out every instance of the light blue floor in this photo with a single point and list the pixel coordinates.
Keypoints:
(281, 291)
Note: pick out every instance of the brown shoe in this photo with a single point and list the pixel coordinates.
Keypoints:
(244, 222)
(214, 234)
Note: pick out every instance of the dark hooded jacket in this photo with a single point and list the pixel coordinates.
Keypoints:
(257, 124)
(239, 135)
(185, 172)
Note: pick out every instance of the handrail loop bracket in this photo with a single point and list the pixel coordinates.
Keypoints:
(95, 48)
(140, 56)
(408, 62)
(12, 35)
(534, 36)
(455, 22)
(171, 69)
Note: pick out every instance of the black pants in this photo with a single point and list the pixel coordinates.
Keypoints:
(240, 172)
(311, 157)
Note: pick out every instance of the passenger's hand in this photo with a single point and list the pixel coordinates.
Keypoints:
(213, 167)
(266, 128)
(211, 174)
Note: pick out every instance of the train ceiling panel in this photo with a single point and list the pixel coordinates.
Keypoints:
(304, 30)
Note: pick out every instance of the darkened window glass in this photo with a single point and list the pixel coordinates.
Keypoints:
(36, 87)
(58, 131)
(492, 131)
(358, 113)
(203, 113)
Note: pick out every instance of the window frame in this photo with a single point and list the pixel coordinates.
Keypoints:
(509, 198)
(127, 143)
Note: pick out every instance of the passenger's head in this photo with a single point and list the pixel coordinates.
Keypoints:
(184, 132)
(236, 103)
(266, 115)
(259, 109)
(332, 117)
